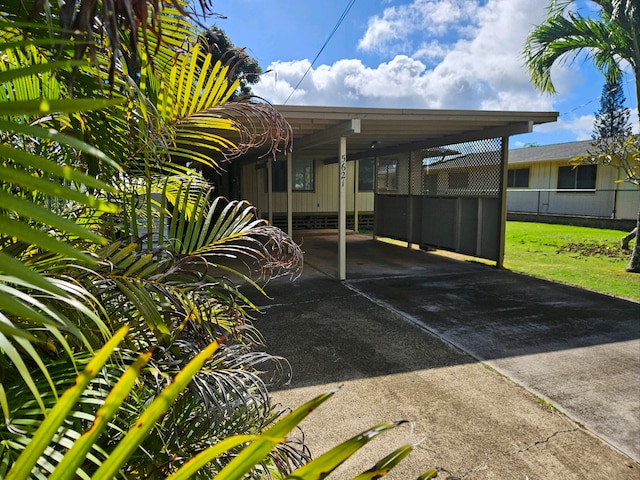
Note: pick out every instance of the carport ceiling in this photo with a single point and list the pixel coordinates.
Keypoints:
(316, 130)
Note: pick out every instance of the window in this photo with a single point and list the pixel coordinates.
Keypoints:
(430, 185)
(279, 176)
(518, 178)
(458, 179)
(582, 177)
(387, 176)
(365, 174)
(303, 174)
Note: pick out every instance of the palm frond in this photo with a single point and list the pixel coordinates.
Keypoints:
(36, 193)
(21, 469)
(157, 252)
(211, 228)
(193, 252)
(564, 34)
(26, 175)
(36, 323)
(227, 397)
(191, 94)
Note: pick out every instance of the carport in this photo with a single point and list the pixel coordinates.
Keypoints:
(439, 174)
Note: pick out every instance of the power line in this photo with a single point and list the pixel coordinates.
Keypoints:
(335, 28)
(622, 84)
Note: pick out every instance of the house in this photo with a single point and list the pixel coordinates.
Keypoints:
(542, 181)
(428, 177)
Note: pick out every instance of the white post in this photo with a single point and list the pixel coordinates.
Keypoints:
(290, 195)
(342, 210)
(356, 180)
(504, 158)
(270, 189)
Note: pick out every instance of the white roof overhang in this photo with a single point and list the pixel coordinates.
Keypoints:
(317, 130)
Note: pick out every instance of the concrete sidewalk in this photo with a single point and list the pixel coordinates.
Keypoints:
(556, 394)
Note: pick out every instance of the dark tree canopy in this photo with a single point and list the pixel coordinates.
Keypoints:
(612, 120)
(245, 68)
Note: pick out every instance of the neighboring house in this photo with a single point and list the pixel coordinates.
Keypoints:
(541, 180)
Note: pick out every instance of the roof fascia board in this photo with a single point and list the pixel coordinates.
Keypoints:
(391, 114)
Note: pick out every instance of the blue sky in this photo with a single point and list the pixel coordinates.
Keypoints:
(444, 54)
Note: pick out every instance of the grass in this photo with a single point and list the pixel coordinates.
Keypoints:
(545, 404)
(588, 258)
(585, 257)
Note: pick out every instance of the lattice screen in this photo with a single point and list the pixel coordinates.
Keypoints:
(393, 174)
(468, 169)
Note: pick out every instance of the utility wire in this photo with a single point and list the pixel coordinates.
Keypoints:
(581, 106)
(335, 28)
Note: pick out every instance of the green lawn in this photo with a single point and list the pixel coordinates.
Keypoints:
(586, 257)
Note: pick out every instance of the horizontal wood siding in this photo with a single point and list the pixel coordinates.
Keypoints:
(324, 199)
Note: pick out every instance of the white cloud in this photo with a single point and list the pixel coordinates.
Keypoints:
(430, 17)
(431, 52)
(482, 69)
(346, 82)
(580, 128)
(568, 128)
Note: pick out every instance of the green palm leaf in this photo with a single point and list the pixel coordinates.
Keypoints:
(256, 451)
(191, 468)
(384, 466)
(152, 413)
(22, 467)
(81, 447)
(326, 463)
(567, 34)
(35, 191)
(26, 301)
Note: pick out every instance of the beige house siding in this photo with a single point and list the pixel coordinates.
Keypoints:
(323, 200)
(610, 199)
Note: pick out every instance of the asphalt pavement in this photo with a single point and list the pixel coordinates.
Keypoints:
(502, 375)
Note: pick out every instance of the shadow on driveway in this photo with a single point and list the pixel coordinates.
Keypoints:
(578, 349)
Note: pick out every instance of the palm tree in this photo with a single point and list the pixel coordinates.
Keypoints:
(118, 261)
(141, 242)
(608, 40)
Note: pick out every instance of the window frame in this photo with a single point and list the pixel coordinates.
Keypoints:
(387, 180)
(429, 183)
(279, 175)
(365, 164)
(578, 176)
(458, 180)
(513, 177)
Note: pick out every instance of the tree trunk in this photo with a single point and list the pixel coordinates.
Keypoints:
(634, 263)
(627, 238)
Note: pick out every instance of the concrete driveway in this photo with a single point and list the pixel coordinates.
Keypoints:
(502, 375)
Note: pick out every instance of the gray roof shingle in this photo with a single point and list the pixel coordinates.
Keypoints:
(558, 151)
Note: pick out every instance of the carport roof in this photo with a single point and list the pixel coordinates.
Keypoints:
(317, 129)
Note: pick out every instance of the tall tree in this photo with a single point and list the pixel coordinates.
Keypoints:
(246, 70)
(146, 246)
(609, 39)
(612, 120)
(121, 265)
